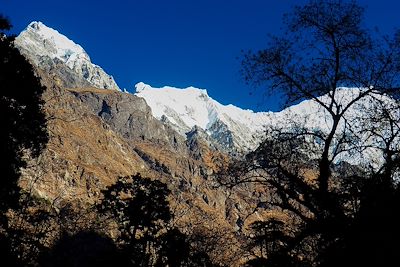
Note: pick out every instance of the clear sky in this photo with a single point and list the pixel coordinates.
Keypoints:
(179, 43)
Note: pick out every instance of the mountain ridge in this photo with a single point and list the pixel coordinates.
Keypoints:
(230, 128)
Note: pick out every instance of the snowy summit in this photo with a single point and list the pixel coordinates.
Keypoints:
(42, 43)
(185, 108)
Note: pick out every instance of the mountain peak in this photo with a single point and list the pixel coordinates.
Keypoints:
(35, 25)
(39, 43)
(141, 86)
(64, 47)
(189, 107)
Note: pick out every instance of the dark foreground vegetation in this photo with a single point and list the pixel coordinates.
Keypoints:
(336, 213)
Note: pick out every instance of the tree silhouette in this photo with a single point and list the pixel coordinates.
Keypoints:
(141, 209)
(140, 206)
(307, 170)
(23, 127)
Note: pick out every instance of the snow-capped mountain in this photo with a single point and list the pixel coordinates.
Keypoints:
(242, 130)
(192, 110)
(183, 109)
(44, 46)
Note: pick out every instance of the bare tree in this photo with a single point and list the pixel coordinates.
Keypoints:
(327, 56)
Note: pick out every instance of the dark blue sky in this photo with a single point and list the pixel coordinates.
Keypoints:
(176, 42)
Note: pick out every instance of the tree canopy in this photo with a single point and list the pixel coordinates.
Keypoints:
(23, 126)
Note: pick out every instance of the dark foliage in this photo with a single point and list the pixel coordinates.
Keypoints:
(269, 236)
(140, 206)
(23, 126)
(5, 24)
(7, 257)
(141, 209)
(23, 121)
(88, 249)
